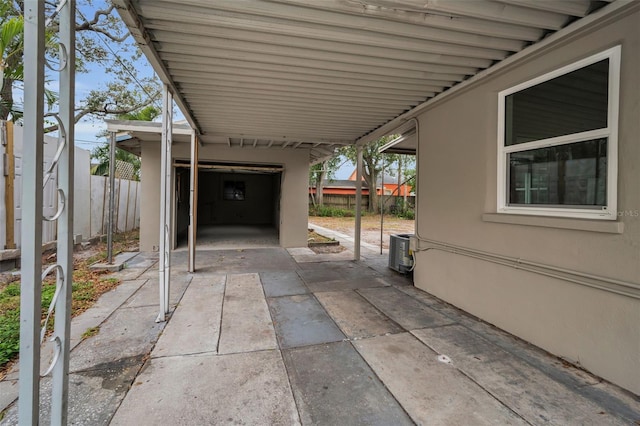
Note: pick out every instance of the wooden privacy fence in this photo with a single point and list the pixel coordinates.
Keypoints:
(348, 201)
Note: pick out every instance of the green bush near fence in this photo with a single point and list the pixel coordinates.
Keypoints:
(407, 214)
(328, 211)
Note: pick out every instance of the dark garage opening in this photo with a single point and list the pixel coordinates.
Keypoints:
(238, 206)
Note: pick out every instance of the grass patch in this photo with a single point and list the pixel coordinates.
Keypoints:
(9, 335)
(89, 332)
(88, 286)
(318, 238)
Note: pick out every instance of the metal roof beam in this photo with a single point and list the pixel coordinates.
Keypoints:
(301, 98)
(326, 110)
(330, 51)
(311, 105)
(274, 137)
(190, 62)
(253, 51)
(308, 123)
(279, 85)
(371, 44)
(294, 130)
(294, 114)
(268, 77)
(219, 96)
(387, 34)
(578, 8)
(354, 15)
(415, 70)
(225, 66)
(381, 97)
(477, 9)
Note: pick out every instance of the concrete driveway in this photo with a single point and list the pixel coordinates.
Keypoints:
(270, 336)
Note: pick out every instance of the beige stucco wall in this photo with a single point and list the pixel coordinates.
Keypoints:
(457, 161)
(294, 189)
(150, 197)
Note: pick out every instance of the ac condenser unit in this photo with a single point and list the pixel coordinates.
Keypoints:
(399, 258)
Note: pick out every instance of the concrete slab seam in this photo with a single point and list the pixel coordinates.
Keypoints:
(461, 371)
(304, 283)
(380, 379)
(555, 374)
(374, 307)
(224, 294)
(142, 306)
(286, 369)
(146, 360)
(145, 269)
(147, 357)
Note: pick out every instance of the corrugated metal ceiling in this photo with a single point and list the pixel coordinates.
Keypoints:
(323, 73)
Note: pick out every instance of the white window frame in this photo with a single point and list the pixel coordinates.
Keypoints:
(608, 212)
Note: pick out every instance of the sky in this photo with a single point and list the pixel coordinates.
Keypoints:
(87, 129)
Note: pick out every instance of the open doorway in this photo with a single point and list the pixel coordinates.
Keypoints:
(238, 206)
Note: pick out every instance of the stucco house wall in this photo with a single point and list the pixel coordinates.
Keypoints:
(293, 192)
(457, 171)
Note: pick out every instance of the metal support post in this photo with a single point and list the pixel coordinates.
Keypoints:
(382, 206)
(31, 250)
(358, 224)
(62, 327)
(164, 268)
(193, 202)
(112, 195)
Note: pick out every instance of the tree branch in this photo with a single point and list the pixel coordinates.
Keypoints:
(92, 25)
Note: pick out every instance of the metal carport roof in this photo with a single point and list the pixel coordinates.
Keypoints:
(324, 73)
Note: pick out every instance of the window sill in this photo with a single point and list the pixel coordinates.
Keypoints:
(604, 226)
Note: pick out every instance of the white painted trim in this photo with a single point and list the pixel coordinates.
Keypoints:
(609, 212)
(603, 226)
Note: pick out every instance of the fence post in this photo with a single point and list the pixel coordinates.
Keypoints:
(9, 179)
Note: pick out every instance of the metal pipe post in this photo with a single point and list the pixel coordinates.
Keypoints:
(164, 264)
(31, 250)
(358, 224)
(382, 206)
(62, 327)
(193, 202)
(112, 197)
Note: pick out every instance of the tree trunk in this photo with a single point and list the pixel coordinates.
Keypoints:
(370, 176)
(6, 95)
(320, 185)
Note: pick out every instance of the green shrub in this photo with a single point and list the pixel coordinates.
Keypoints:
(407, 214)
(328, 211)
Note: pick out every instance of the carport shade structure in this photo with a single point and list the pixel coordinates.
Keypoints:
(312, 75)
(316, 75)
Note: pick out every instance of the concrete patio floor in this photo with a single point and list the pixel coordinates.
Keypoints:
(270, 336)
